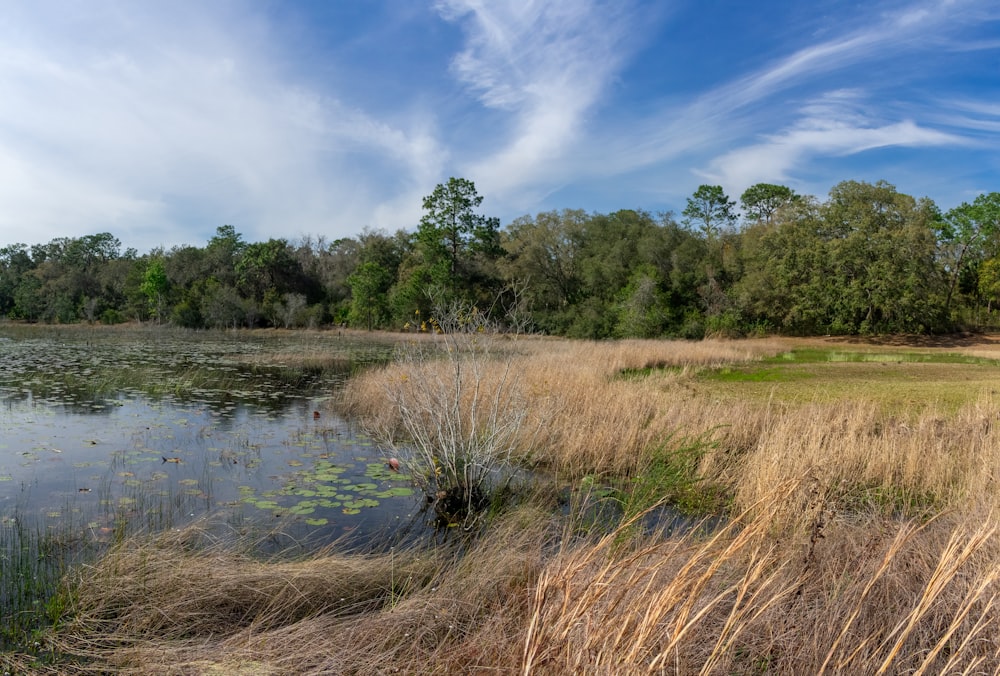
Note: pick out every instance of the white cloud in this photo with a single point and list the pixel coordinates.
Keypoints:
(758, 102)
(830, 126)
(175, 122)
(546, 64)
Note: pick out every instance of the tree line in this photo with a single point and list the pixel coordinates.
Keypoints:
(868, 259)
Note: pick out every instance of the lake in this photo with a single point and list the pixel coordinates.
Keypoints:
(105, 428)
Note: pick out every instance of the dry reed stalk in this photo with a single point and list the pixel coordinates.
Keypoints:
(582, 416)
(928, 461)
(869, 598)
(162, 589)
(600, 609)
(330, 613)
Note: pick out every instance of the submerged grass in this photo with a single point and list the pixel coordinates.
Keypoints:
(33, 561)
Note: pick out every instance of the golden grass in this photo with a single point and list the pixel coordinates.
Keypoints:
(156, 606)
(862, 539)
(899, 598)
(851, 597)
(584, 417)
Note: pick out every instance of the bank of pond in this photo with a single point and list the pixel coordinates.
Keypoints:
(111, 435)
(275, 502)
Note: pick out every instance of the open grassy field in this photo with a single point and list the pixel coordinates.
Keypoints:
(856, 481)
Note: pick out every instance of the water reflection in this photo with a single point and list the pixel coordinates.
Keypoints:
(159, 433)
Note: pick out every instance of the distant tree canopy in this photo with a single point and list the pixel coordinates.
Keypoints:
(867, 259)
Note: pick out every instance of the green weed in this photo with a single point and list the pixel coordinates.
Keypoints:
(671, 477)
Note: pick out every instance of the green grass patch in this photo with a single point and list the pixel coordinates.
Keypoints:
(33, 561)
(646, 371)
(900, 380)
(670, 477)
(820, 356)
(737, 374)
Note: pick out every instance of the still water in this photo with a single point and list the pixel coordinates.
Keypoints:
(158, 429)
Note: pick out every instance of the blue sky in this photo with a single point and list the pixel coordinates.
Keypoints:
(160, 121)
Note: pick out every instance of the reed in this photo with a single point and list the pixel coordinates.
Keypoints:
(33, 561)
(860, 539)
(181, 603)
(887, 598)
(871, 596)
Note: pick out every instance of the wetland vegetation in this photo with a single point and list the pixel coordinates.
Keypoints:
(849, 496)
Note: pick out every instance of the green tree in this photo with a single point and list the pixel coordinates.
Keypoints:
(545, 252)
(222, 306)
(458, 243)
(709, 210)
(787, 272)
(155, 286)
(369, 302)
(965, 232)
(641, 310)
(15, 262)
(222, 253)
(989, 281)
(884, 251)
(760, 201)
(266, 271)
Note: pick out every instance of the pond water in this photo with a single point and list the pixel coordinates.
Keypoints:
(155, 429)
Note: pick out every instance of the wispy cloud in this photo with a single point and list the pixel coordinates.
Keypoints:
(756, 103)
(161, 121)
(546, 64)
(159, 124)
(831, 126)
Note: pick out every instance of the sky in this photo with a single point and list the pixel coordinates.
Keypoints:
(161, 121)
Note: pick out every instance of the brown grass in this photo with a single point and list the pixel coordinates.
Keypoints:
(157, 607)
(851, 597)
(585, 417)
(899, 598)
(861, 540)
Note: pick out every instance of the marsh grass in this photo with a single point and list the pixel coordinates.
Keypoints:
(859, 538)
(887, 598)
(459, 413)
(33, 561)
(181, 603)
(846, 597)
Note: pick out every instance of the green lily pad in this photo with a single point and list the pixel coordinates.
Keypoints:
(362, 502)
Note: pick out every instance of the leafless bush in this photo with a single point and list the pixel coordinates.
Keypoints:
(461, 410)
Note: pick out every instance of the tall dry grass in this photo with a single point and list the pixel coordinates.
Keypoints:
(863, 599)
(584, 416)
(860, 541)
(875, 597)
(158, 606)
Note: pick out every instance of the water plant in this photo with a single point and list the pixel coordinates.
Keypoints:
(31, 565)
